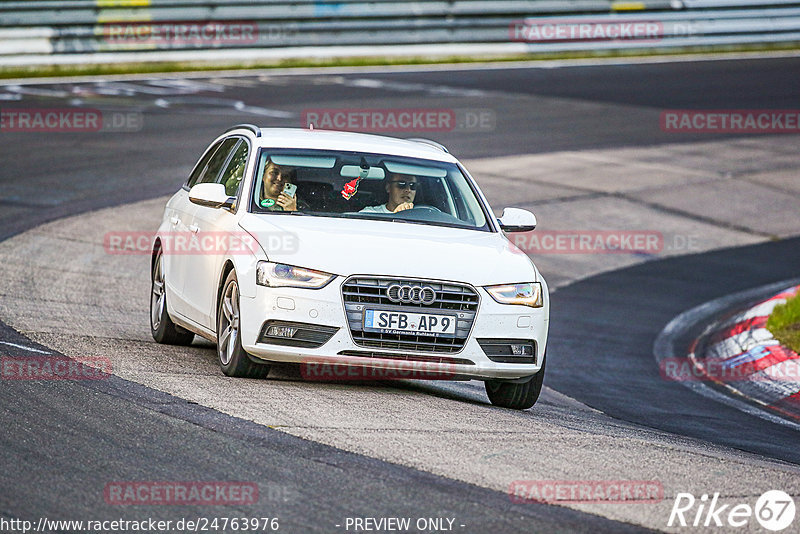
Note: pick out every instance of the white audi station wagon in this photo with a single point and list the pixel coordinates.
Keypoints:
(357, 251)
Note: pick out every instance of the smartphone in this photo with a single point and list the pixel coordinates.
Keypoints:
(290, 189)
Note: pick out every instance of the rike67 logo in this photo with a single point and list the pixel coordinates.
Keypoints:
(774, 510)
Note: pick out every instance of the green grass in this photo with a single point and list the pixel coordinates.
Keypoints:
(166, 67)
(784, 323)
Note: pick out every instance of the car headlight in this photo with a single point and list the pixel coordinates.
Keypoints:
(528, 294)
(281, 275)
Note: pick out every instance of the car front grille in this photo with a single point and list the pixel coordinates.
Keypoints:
(360, 292)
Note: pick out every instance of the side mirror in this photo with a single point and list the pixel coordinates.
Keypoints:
(211, 196)
(517, 220)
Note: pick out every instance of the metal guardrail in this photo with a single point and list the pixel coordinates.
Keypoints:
(47, 27)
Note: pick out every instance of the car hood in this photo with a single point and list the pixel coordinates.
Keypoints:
(349, 246)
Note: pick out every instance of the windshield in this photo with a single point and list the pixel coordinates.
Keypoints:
(364, 186)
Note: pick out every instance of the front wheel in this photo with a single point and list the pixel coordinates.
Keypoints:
(517, 396)
(233, 360)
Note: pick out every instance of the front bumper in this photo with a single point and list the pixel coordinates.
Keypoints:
(325, 307)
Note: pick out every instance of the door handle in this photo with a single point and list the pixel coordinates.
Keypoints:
(174, 220)
(194, 228)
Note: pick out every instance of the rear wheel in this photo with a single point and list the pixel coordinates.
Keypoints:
(233, 359)
(161, 326)
(514, 395)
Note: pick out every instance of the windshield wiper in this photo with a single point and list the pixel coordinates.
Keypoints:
(413, 221)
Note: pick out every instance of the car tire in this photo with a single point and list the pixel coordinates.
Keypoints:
(515, 395)
(233, 359)
(161, 325)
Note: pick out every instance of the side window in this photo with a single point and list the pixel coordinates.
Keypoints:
(231, 177)
(201, 165)
(210, 173)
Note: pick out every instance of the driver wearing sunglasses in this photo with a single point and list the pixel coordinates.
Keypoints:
(401, 188)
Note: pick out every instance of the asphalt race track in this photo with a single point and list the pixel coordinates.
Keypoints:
(579, 145)
(643, 299)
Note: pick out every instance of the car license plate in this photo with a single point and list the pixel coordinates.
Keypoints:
(421, 324)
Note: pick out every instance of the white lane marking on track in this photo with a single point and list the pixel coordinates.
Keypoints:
(264, 112)
(23, 347)
(36, 91)
(222, 104)
(168, 93)
(129, 89)
(193, 86)
(404, 87)
(235, 82)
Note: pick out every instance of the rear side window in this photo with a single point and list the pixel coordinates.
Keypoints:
(201, 165)
(208, 173)
(231, 177)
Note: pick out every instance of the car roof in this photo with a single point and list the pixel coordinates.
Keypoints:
(349, 141)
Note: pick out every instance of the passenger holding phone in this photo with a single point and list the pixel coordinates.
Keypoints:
(279, 191)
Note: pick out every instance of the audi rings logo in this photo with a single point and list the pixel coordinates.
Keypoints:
(411, 294)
